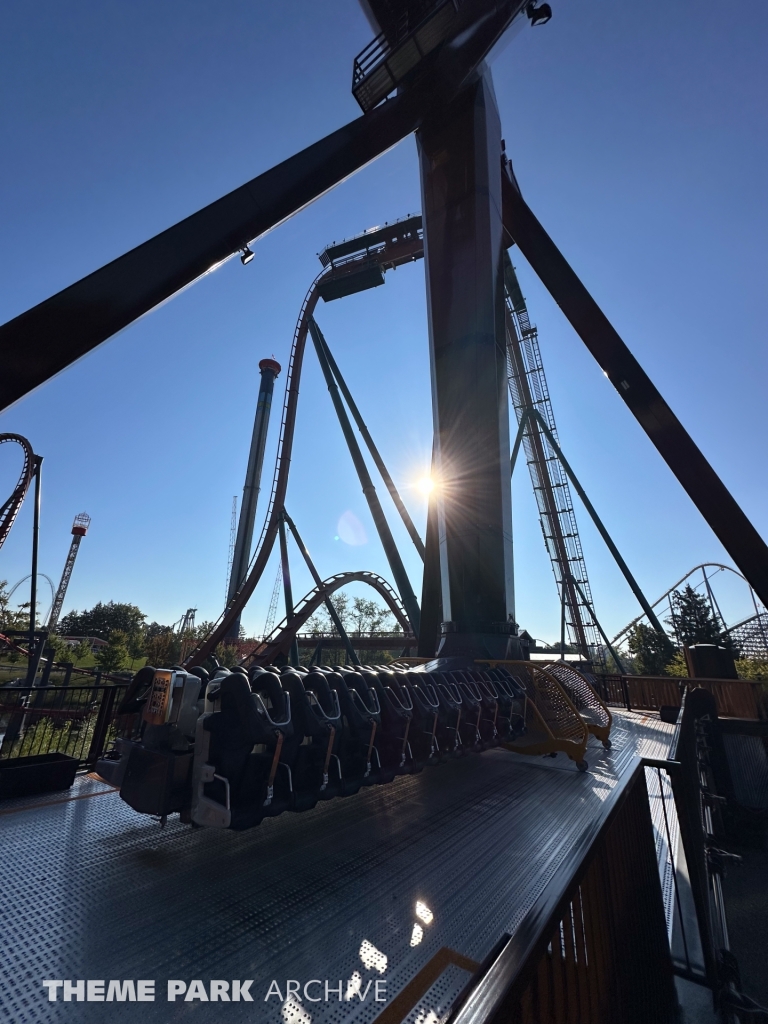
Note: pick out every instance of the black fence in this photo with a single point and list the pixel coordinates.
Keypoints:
(79, 720)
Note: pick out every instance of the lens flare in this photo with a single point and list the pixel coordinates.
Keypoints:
(426, 485)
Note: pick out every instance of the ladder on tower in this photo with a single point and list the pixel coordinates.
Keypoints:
(79, 530)
(528, 389)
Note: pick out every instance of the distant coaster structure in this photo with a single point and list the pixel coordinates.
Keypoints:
(426, 74)
(352, 266)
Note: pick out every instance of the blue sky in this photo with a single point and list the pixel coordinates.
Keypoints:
(639, 138)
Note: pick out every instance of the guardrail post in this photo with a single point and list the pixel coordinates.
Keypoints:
(625, 691)
(103, 722)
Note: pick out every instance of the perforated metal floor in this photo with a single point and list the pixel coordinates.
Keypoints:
(91, 890)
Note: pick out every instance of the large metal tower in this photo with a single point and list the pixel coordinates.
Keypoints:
(528, 388)
(269, 369)
(79, 530)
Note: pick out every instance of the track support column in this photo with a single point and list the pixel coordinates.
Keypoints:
(269, 369)
(460, 154)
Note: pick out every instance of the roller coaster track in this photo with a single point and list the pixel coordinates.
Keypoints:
(10, 509)
(279, 640)
(703, 567)
(279, 481)
(388, 256)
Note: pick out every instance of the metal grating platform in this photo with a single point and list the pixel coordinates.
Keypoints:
(91, 890)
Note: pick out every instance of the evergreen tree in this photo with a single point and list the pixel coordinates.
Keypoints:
(692, 620)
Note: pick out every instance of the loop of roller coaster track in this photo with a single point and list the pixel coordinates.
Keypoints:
(279, 640)
(10, 509)
(279, 481)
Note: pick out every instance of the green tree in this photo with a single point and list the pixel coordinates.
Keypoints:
(228, 655)
(371, 617)
(692, 620)
(60, 649)
(81, 650)
(652, 650)
(114, 656)
(162, 647)
(102, 619)
(135, 645)
(359, 615)
(678, 666)
(11, 618)
(752, 668)
(321, 621)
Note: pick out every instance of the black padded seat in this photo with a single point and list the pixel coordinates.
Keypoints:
(472, 703)
(255, 789)
(317, 730)
(361, 714)
(137, 692)
(396, 706)
(424, 737)
(451, 726)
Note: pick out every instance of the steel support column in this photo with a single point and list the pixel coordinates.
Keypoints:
(460, 151)
(431, 604)
(287, 589)
(269, 370)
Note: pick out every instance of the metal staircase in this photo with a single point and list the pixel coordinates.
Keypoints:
(528, 388)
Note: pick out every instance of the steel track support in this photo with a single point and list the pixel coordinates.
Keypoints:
(334, 615)
(673, 442)
(402, 582)
(394, 494)
(287, 589)
(460, 156)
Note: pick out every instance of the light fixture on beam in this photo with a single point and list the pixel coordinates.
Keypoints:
(539, 15)
(246, 256)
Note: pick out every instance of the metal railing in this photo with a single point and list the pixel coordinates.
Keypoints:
(736, 698)
(79, 721)
(383, 64)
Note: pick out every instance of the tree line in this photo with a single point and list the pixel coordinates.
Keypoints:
(131, 639)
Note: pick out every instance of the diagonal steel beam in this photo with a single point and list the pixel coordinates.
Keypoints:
(43, 341)
(49, 337)
(675, 445)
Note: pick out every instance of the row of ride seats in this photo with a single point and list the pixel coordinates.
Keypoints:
(283, 739)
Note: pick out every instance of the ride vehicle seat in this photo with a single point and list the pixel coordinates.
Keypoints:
(361, 715)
